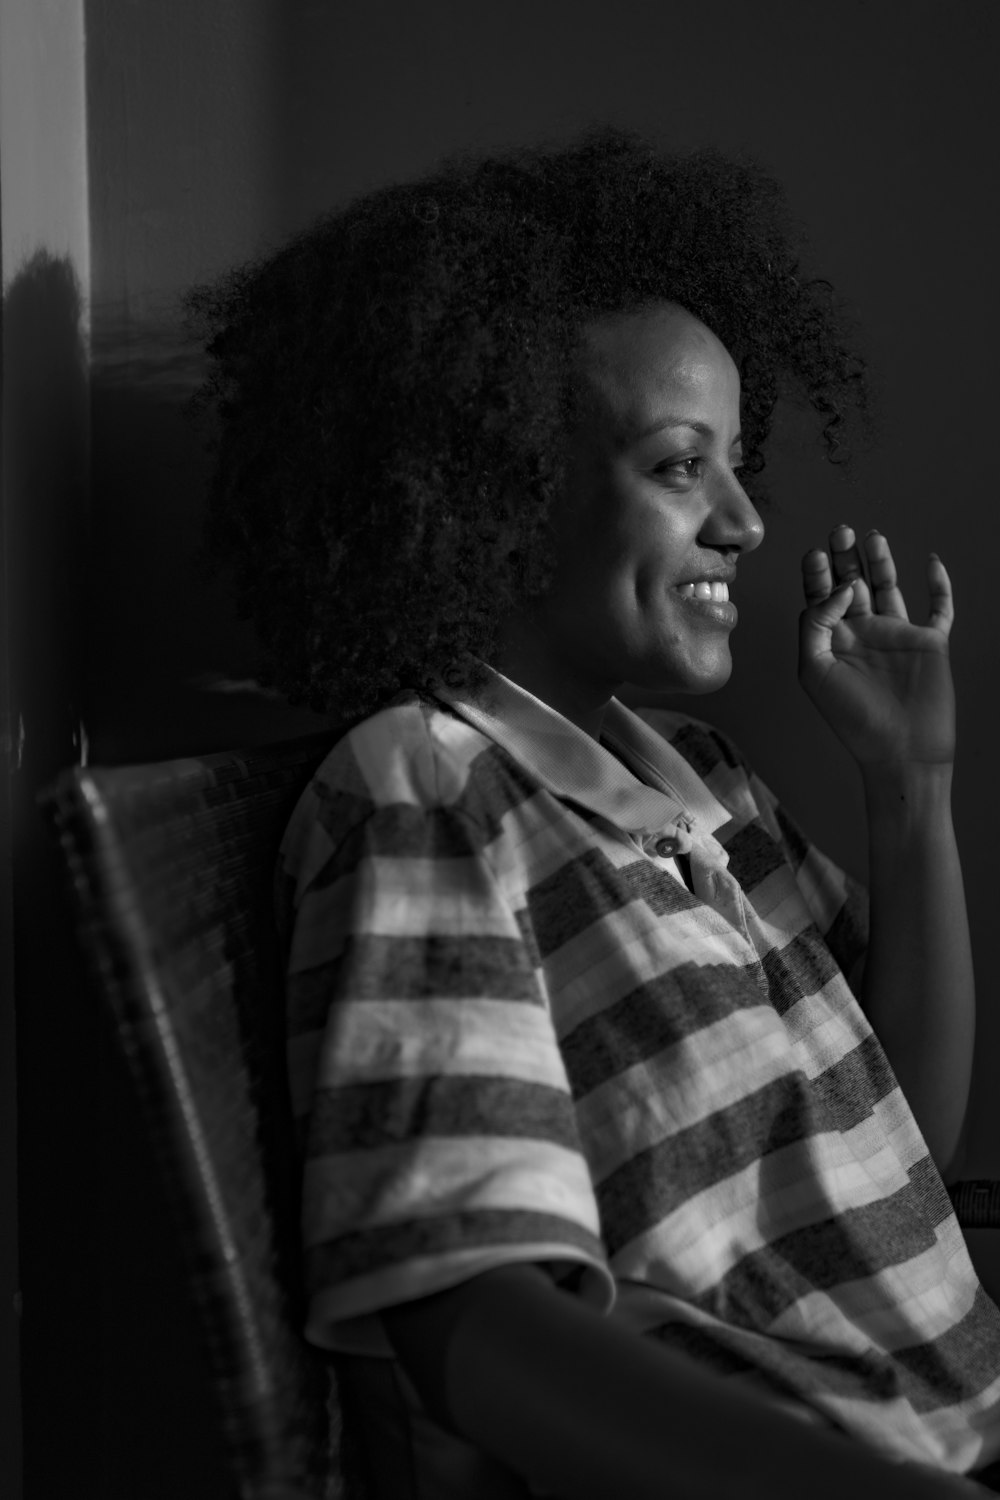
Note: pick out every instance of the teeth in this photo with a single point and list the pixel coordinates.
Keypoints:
(704, 590)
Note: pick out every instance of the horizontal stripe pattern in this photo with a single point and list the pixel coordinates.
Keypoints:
(359, 1117)
(512, 1033)
(355, 1252)
(802, 1184)
(663, 894)
(653, 1182)
(425, 1038)
(380, 1185)
(654, 1016)
(919, 1376)
(805, 966)
(416, 967)
(753, 855)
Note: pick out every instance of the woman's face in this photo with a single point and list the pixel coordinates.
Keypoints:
(654, 520)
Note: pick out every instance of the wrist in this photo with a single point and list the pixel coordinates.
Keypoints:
(904, 793)
(901, 780)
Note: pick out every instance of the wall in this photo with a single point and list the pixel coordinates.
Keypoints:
(219, 126)
(184, 100)
(44, 256)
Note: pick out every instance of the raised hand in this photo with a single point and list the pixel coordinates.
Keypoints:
(882, 683)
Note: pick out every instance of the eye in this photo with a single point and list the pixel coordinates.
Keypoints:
(681, 468)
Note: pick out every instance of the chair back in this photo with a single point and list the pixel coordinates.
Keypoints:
(172, 866)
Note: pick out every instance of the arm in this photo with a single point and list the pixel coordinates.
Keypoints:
(918, 990)
(583, 1409)
(885, 687)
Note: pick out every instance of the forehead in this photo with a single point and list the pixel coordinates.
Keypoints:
(644, 366)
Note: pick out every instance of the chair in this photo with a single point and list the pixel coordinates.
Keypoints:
(172, 866)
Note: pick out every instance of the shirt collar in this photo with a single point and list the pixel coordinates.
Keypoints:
(657, 790)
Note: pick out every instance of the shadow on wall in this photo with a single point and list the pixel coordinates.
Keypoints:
(45, 432)
(117, 650)
(171, 669)
(45, 421)
(79, 1310)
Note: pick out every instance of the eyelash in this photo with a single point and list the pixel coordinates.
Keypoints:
(679, 463)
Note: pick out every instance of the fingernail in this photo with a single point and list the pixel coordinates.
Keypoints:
(874, 532)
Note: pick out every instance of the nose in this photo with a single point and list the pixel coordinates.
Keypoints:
(732, 521)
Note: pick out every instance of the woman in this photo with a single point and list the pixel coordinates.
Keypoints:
(573, 1045)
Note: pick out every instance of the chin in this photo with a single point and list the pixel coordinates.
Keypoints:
(705, 684)
(672, 679)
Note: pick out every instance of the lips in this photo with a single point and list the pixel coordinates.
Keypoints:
(706, 599)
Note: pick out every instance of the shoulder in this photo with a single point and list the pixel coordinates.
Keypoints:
(414, 760)
(415, 750)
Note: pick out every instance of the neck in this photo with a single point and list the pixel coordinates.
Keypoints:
(527, 657)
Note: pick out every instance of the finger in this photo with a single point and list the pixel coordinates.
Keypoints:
(817, 579)
(817, 624)
(886, 594)
(942, 602)
(845, 556)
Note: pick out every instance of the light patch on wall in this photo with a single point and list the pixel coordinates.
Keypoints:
(216, 682)
(43, 137)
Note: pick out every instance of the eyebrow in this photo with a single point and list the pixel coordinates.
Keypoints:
(701, 427)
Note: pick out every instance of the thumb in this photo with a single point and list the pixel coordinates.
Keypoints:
(816, 624)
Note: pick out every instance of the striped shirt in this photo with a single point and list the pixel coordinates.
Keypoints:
(515, 1034)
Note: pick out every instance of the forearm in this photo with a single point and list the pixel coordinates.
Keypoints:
(918, 990)
(582, 1408)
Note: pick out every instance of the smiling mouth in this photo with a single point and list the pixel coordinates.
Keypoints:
(718, 592)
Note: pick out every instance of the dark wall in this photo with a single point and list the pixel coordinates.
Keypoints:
(216, 129)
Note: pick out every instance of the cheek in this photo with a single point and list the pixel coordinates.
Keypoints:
(595, 558)
(618, 541)
(659, 554)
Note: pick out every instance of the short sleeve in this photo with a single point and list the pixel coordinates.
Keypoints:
(436, 1123)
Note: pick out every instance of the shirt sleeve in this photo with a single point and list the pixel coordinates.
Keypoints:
(436, 1122)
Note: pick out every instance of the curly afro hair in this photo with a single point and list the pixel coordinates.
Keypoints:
(393, 390)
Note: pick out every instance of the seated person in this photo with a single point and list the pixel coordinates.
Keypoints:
(623, 1135)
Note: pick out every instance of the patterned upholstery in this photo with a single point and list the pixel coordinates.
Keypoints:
(172, 867)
